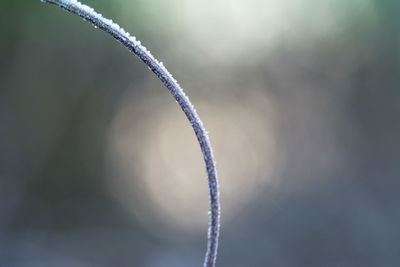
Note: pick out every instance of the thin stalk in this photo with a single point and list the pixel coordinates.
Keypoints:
(88, 14)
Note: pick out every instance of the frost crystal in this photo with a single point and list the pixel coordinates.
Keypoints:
(88, 14)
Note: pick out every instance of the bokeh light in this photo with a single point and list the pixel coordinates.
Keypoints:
(162, 151)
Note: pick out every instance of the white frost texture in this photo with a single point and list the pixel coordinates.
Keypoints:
(88, 14)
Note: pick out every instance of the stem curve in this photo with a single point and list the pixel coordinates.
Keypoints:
(88, 14)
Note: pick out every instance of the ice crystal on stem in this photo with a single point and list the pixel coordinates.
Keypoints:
(107, 25)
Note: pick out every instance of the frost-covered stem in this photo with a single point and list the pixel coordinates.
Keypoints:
(87, 13)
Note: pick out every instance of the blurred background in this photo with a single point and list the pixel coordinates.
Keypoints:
(99, 166)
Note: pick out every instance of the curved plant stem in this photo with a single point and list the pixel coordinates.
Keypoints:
(88, 14)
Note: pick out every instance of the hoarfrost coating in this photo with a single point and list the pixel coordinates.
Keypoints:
(88, 14)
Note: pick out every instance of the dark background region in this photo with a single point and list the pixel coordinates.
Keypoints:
(98, 167)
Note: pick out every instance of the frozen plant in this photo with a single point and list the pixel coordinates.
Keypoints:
(107, 25)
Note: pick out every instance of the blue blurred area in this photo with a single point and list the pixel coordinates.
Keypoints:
(330, 71)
